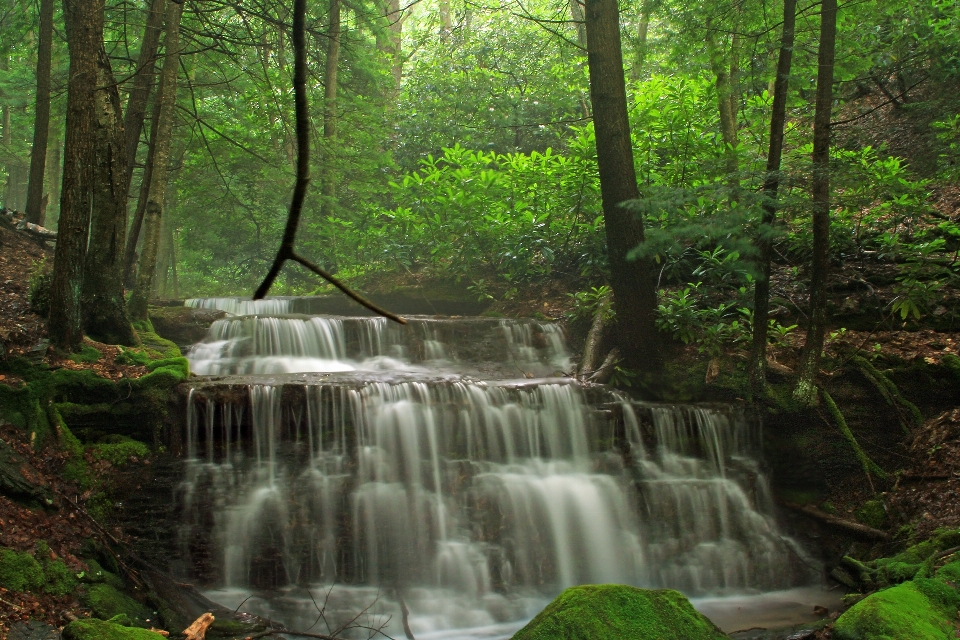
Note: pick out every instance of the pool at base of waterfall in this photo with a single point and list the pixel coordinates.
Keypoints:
(439, 614)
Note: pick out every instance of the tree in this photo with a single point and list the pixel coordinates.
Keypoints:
(771, 184)
(84, 25)
(634, 292)
(328, 184)
(806, 390)
(35, 208)
(161, 158)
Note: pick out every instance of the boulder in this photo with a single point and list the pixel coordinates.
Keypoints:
(923, 608)
(619, 612)
(183, 325)
(102, 630)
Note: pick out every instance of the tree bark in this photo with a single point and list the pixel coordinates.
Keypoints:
(161, 158)
(104, 309)
(634, 290)
(41, 121)
(642, 31)
(142, 83)
(130, 253)
(728, 120)
(806, 389)
(84, 26)
(771, 184)
(576, 13)
(328, 183)
(54, 157)
(446, 23)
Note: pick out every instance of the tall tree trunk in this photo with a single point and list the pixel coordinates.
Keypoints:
(8, 193)
(720, 66)
(642, 31)
(104, 308)
(771, 184)
(634, 291)
(142, 83)
(806, 389)
(54, 157)
(391, 42)
(41, 121)
(576, 13)
(161, 159)
(84, 26)
(130, 253)
(328, 183)
(446, 23)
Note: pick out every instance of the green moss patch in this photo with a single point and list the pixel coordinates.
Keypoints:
(102, 630)
(912, 610)
(119, 450)
(87, 355)
(20, 571)
(106, 602)
(618, 612)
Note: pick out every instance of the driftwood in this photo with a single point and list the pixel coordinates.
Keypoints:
(591, 349)
(198, 630)
(15, 221)
(604, 373)
(855, 529)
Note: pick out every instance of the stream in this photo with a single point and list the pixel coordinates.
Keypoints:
(350, 464)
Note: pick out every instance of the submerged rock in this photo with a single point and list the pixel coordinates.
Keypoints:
(619, 612)
(922, 608)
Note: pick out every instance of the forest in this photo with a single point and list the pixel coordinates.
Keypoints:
(646, 294)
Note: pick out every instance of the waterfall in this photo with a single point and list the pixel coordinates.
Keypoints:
(494, 490)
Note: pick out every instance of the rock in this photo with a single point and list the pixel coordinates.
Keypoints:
(924, 608)
(105, 602)
(13, 482)
(20, 571)
(183, 325)
(33, 630)
(102, 630)
(619, 612)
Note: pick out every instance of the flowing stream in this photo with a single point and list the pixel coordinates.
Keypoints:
(452, 466)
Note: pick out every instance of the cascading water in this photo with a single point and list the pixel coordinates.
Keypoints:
(392, 465)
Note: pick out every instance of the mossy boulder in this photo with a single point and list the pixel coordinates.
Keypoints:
(923, 608)
(183, 325)
(103, 630)
(20, 571)
(106, 602)
(619, 612)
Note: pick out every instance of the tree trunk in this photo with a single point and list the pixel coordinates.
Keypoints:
(391, 42)
(634, 291)
(41, 121)
(54, 157)
(576, 13)
(806, 390)
(328, 183)
(130, 253)
(84, 25)
(728, 119)
(142, 83)
(642, 31)
(105, 315)
(771, 184)
(446, 23)
(161, 158)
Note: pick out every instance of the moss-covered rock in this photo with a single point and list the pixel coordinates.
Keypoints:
(59, 580)
(619, 612)
(106, 602)
(950, 572)
(20, 571)
(102, 630)
(118, 450)
(920, 609)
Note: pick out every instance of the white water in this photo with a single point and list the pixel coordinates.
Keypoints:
(478, 499)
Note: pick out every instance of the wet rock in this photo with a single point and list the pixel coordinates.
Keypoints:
(33, 630)
(614, 612)
(183, 325)
(13, 483)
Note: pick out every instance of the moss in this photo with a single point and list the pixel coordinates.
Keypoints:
(59, 580)
(104, 630)
(614, 612)
(950, 572)
(119, 452)
(87, 355)
(20, 571)
(97, 574)
(903, 612)
(132, 357)
(872, 513)
(891, 572)
(106, 602)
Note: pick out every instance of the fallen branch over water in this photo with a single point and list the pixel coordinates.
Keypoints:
(853, 528)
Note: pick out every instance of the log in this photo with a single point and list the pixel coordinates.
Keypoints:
(198, 630)
(603, 374)
(591, 349)
(855, 529)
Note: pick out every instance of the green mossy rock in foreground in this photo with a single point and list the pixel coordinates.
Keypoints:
(105, 602)
(20, 571)
(923, 608)
(102, 630)
(619, 612)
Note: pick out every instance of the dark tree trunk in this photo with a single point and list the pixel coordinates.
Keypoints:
(161, 160)
(778, 118)
(142, 83)
(104, 308)
(328, 183)
(130, 253)
(54, 157)
(84, 25)
(41, 121)
(634, 291)
(806, 390)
